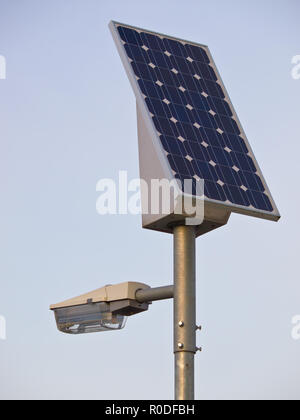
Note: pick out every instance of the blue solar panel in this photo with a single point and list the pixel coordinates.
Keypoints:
(194, 118)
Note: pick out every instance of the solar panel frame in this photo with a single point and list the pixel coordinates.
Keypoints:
(144, 110)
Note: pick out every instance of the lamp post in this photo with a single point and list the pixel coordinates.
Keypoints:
(188, 130)
(184, 311)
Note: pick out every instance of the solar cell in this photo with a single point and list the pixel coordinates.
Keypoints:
(194, 119)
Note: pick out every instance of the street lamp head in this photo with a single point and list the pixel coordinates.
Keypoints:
(104, 309)
(88, 318)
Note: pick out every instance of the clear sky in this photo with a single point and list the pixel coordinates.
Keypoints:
(68, 119)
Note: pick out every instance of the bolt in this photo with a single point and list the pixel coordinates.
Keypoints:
(180, 345)
(181, 324)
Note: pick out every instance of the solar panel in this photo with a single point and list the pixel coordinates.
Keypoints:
(193, 119)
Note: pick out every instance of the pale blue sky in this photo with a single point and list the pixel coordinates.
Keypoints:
(67, 119)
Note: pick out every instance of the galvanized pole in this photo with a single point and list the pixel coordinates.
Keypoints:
(154, 294)
(184, 310)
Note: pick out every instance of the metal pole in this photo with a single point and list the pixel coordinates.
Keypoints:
(184, 310)
(156, 293)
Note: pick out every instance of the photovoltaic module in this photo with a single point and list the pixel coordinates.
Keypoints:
(193, 119)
